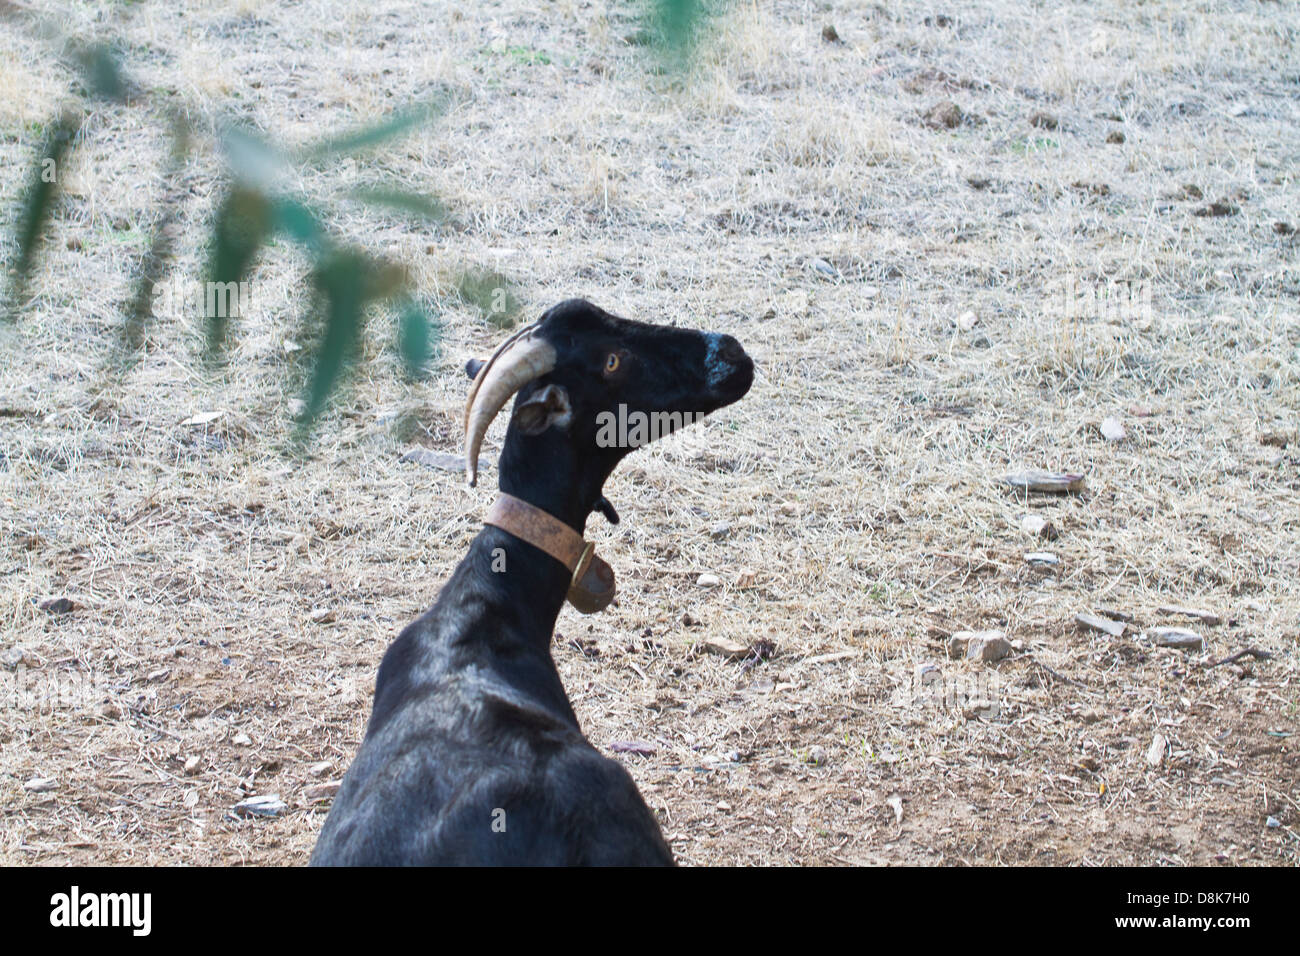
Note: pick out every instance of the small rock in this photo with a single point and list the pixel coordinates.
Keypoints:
(325, 615)
(830, 34)
(41, 785)
(642, 747)
(59, 605)
(1272, 823)
(242, 739)
(191, 799)
(720, 530)
(987, 646)
(1156, 752)
(895, 803)
(1208, 618)
(1044, 120)
(269, 805)
(203, 418)
(322, 791)
(1112, 429)
(1038, 527)
(317, 769)
(1045, 482)
(725, 647)
(297, 407)
(823, 267)
(1115, 136)
(966, 321)
(816, 756)
(1177, 637)
(192, 766)
(12, 657)
(707, 580)
(789, 509)
(1042, 558)
(1092, 622)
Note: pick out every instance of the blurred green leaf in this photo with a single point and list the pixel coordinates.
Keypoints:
(253, 162)
(677, 24)
(422, 207)
(37, 204)
(417, 336)
(492, 294)
(300, 224)
(342, 280)
(103, 71)
(242, 225)
(398, 124)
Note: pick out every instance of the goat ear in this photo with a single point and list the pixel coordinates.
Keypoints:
(473, 367)
(546, 407)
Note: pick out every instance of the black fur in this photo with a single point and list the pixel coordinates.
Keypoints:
(471, 727)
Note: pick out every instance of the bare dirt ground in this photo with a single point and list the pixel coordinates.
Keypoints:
(899, 272)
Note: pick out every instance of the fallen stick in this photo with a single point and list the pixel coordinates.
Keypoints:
(1248, 652)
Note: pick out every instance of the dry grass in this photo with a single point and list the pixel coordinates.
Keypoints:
(858, 477)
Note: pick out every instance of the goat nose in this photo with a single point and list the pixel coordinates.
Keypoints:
(730, 351)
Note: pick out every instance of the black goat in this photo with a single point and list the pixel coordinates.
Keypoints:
(473, 754)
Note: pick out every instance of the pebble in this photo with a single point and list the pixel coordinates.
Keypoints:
(1092, 622)
(1112, 429)
(725, 647)
(986, 646)
(269, 805)
(1038, 527)
(1178, 637)
(1156, 752)
(1208, 618)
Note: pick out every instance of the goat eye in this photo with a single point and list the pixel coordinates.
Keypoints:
(612, 363)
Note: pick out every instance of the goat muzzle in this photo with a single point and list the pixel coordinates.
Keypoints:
(520, 359)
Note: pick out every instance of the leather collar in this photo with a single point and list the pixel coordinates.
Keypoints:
(591, 587)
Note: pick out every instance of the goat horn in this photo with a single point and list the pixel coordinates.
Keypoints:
(519, 360)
